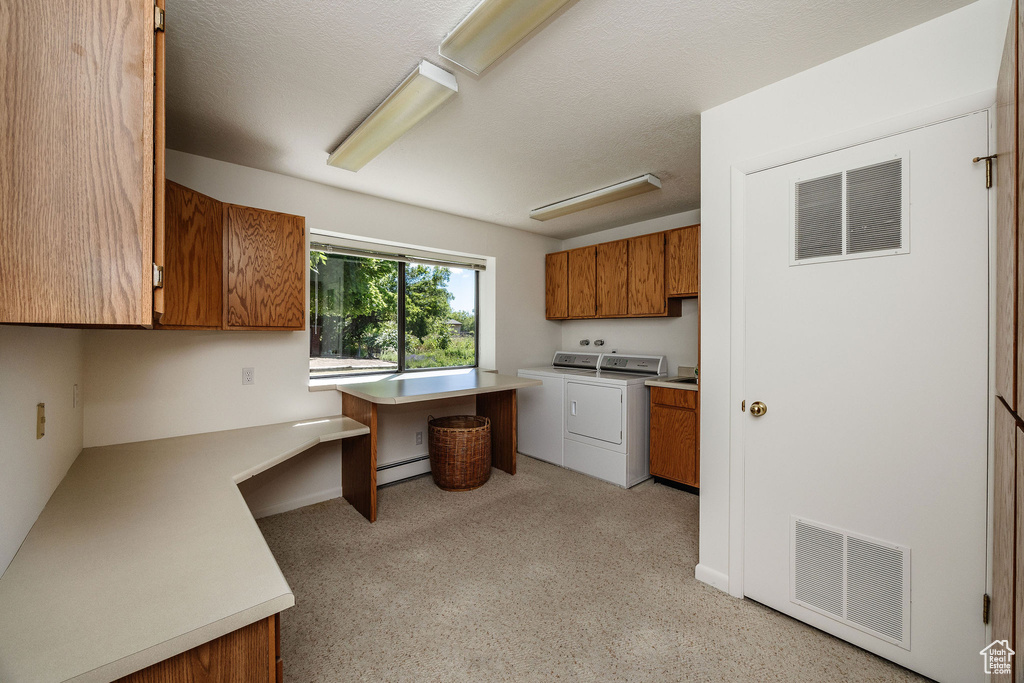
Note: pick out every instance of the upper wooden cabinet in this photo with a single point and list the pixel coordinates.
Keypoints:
(582, 282)
(682, 261)
(82, 117)
(647, 275)
(193, 270)
(265, 266)
(640, 277)
(232, 267)
(556, 285)
(612, 279)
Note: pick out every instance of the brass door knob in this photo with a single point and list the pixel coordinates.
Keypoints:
(757, 409)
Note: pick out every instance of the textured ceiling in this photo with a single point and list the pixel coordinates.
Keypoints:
(607, 91)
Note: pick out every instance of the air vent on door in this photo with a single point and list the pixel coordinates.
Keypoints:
(853, 213)
(856, 580)
(874, 207)
(819, 217)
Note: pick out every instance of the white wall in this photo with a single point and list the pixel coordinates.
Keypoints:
(949, 58)
(674, 337)
(37, 365)
(149, 384)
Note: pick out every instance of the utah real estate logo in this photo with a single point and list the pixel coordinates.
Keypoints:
(997, 657)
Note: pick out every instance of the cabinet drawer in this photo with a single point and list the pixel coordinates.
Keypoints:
(680, 398)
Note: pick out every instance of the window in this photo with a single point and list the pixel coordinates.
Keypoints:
(372, 315)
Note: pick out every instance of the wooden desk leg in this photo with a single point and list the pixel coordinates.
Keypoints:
(500, 406)
(359, 458)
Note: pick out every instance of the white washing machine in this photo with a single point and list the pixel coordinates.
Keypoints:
(540, 408)
(606, 418)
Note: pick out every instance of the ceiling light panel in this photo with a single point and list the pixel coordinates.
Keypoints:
(423, 91)
(492, 29)
(629, 188)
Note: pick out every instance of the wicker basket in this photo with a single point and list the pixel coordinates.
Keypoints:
(460, 451)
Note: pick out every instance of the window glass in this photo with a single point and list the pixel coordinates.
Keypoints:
(353, 315)
(370, 315)
(440, 316)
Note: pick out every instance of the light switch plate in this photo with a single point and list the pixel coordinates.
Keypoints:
(40, 420)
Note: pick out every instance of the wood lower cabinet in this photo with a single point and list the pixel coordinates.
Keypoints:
(582, 282)
(674, 436)
(82, 117)
(682, 261)
(647, 275)
(265, 265)
(556, 285)
(252, 654)
(612, 279)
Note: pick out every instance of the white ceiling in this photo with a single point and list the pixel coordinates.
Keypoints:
(607, 91)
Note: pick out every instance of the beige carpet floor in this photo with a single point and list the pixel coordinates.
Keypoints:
(545, 576)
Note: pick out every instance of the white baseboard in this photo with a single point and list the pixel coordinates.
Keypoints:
(712, 577)
(296, 503)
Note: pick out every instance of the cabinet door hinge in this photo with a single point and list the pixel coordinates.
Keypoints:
(158, 18)
(158, 276)
(988, 167)
(986, 605)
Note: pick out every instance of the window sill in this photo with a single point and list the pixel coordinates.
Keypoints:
(330, 383)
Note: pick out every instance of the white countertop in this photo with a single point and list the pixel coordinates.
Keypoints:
(144, 551)
(410, 388)
(667, 383)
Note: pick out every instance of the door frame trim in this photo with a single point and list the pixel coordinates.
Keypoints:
(982, 101)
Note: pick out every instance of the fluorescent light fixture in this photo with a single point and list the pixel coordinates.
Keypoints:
(492, 29)
(629, 188)
(423, 91)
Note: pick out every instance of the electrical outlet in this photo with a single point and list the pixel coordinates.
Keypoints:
(419, 438)
(248, 376)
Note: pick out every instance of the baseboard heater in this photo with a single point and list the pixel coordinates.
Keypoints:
(410, 461)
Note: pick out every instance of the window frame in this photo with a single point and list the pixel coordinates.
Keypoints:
(402, 369)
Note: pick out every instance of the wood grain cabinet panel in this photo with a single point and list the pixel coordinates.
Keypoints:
(556, 285)
(193, 270)
(79, 117)
(612, 279)
(264, 269)
(673, 445)
(583, 282)
(682, 261)
(647, 275)
(1006, 167)
(248, 655)
(1003, 524)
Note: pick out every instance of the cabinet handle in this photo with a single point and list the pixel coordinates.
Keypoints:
(572, 410)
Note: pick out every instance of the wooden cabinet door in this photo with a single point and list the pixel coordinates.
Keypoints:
(556, 285)
(647, 275)
(682, 261)
(265, 265)
(673, 444)
(612, 279)
(1004, 524)
(583, 282)
(1007, 357)
(77, 170)
(193, 268)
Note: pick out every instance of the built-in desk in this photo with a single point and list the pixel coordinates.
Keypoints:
(147, 550)
(495, 398)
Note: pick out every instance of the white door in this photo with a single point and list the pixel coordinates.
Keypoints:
(594, 411)
(540, 418)
(866, 477)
